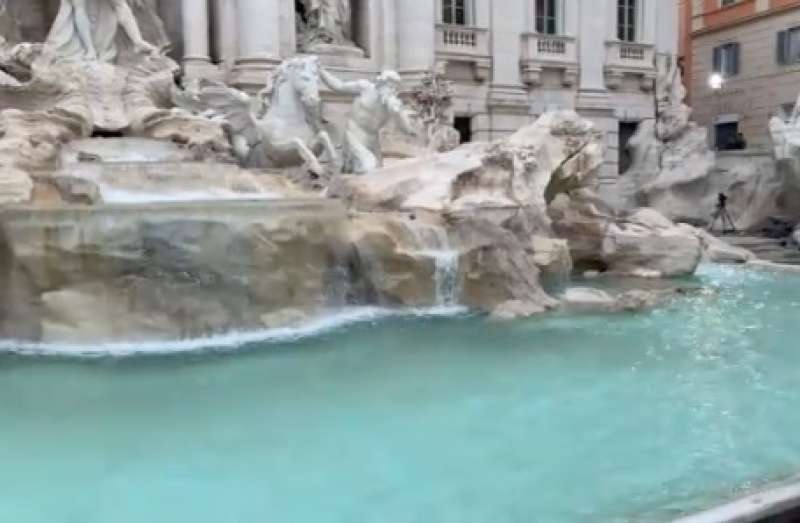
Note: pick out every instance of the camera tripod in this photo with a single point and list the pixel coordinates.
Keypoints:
(722, 215)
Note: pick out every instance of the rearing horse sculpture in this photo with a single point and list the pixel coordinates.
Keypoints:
(288, 130)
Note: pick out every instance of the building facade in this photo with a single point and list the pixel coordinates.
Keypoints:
(751, 48)
(509, 60)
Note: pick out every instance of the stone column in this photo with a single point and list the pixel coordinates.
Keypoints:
(416, 36)
(227, 42)
(648, 21)
(259, 41)
(597, 22)
(508, 103)
(196, 61)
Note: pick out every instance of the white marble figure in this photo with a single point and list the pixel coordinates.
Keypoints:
(285, 131)
(786, 134)
(327, 22)
(433, 103)
(376, 104)
(673, 114)
(90, 30)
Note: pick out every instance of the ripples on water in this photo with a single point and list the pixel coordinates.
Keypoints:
(407, 419)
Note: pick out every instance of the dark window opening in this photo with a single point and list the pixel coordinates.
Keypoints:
(454, 12)
(100, 133)
(627, 12)
(463, 124)
(626, 132)
(728, 137)
(546, 18)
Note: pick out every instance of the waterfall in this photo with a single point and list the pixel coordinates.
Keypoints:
(433, 242)
(446, 277)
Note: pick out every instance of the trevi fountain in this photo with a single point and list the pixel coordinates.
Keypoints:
(220, 306)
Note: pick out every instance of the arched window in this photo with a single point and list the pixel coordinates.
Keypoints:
(627, 20)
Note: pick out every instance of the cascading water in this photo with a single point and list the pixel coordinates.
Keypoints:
(446, 277)
(433, 242)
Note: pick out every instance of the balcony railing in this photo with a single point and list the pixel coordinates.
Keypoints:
(465, 44)
(459, 37)
(549, 52)
(630, 59)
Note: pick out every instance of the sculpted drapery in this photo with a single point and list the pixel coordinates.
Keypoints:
(109, 31)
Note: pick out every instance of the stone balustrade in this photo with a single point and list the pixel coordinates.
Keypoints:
(549, 52)
(465, 44)
(630, 59)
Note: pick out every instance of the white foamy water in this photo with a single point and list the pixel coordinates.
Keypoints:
(230, 341)
(446, 277)
(135, 197)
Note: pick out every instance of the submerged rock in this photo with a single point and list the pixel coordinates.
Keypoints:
(585, 299)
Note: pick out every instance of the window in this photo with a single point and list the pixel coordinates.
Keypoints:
(463, 125)
(726, 3)
(726, 59)
(789, 46)
(728, 137)
(626, 132)
(546, 17)
(455, 12)
(627, 13)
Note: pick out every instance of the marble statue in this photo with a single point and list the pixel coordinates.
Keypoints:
(326, 26)
(103, 30)
(673, 114)
(785, 134)
(376, 104)
(433, 102)
(282, 126)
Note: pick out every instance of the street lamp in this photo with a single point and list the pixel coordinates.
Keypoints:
(715, 81)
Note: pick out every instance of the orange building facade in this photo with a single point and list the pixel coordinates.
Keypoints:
(753, 46)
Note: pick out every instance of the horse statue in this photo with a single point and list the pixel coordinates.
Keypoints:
(285, 131)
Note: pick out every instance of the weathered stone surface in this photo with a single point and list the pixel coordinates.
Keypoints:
(15, 186)
(585, 299)
(558, 152)
(647, 244)
(168, 271)
(716, 250)
(644, 244)
(394, 258)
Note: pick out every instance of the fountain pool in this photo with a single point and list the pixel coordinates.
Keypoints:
(562, 419)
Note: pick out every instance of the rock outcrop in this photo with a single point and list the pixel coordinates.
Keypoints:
(522, 210)
(489, 226)
(643, 243)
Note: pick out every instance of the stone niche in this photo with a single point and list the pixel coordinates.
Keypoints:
(30, 21)
(357, 43)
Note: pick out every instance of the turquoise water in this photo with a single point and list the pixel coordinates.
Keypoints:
(563, 419)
